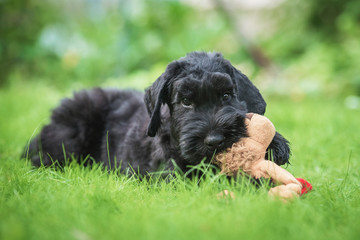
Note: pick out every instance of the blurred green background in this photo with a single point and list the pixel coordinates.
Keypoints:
(304, 56)
(295, 48)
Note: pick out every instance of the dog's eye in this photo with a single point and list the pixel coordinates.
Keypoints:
(186, 102)
(226, 97)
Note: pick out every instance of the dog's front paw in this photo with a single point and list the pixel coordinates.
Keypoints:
(279, 150)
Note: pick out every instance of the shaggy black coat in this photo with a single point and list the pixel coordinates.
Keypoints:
(194, 109)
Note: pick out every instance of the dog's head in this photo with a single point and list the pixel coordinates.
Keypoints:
(208, 99)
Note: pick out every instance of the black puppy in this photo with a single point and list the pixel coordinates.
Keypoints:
(194, 109)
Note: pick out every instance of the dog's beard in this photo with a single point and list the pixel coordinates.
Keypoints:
(228, 121)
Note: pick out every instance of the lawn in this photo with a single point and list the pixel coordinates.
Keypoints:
(83, 203)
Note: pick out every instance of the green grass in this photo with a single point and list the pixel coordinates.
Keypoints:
(84, 203)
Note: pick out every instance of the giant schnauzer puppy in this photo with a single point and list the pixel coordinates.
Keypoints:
(193, 110)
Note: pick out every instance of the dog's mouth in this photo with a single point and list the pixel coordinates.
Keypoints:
(197, 151)
(205, 135)
(212, 151)
(194, 148)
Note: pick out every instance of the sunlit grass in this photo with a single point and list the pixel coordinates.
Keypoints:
(79, 202)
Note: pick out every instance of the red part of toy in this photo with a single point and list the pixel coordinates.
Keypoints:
(306, 186)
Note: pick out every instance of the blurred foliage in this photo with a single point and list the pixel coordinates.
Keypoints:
(317, 42)
(20, 26)
(333, 18)
(313, 43)
(94, 40)
(338, 26)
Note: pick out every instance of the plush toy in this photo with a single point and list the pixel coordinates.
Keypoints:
(248, 155)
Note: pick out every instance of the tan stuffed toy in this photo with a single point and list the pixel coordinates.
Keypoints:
(248, 155)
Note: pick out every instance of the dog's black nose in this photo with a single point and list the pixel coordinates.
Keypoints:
(214, 140)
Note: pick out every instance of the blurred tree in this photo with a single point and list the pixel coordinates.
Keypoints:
(21, 21)
(316, 44)
(337, 23)
(255, 52)
(324, 16)
(89, 41)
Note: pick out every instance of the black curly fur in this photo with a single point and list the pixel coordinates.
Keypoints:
(196, 107)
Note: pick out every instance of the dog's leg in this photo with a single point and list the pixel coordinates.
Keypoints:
(280, 150)
(76, 129)
(56, 142)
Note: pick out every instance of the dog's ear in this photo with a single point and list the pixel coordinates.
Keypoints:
(247, 92)
(160, 93)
